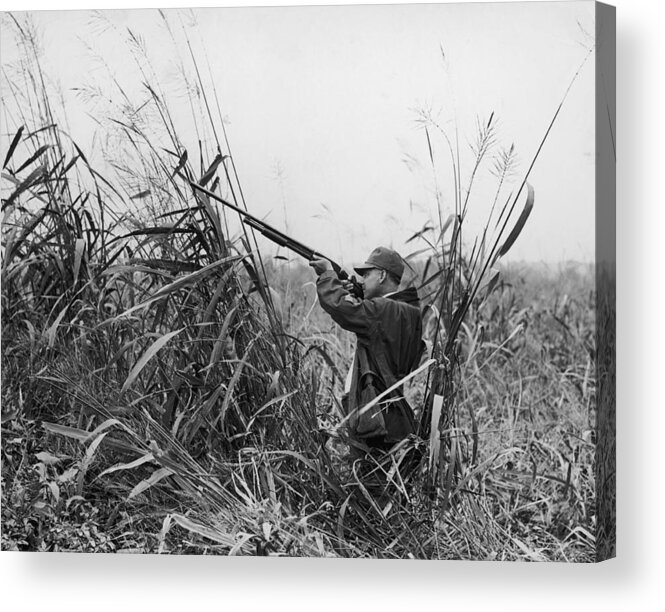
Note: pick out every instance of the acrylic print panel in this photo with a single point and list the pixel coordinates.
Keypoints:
(186, 367)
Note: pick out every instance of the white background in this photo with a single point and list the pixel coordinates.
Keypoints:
(633, 581)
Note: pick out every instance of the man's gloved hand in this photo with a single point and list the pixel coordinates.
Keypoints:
(323, 265)
(348, 285)
(320, 266)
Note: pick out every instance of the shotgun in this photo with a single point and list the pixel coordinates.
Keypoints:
(283, 240)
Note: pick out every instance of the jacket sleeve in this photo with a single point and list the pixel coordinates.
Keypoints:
(348, 312)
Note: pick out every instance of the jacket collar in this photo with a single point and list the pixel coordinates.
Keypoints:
(409, 295)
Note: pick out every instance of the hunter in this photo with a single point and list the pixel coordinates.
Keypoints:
(388, 327)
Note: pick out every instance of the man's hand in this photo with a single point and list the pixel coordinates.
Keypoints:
(348, 285)
(320, 266)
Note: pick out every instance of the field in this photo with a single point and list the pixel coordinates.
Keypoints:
(167, 386)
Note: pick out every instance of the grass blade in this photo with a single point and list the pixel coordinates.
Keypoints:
(12, 146)
(203, 530)
(128, 466)
(209, 173)
(87, 460)
(38, 153)
(144, 485)
(526, 211)
(146, 357)
(80, 246)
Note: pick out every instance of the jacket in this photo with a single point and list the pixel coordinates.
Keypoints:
(389, 346)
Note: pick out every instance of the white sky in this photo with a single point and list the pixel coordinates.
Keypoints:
(327, 95)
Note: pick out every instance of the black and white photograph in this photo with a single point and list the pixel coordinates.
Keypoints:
(310, 281)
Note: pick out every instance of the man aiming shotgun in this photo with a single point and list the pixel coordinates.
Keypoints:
(388, 327)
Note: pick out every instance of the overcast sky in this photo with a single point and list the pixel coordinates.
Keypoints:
(321, 103)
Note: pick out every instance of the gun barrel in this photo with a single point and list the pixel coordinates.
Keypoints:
(278, 237)
(214, 196)
(267, 230)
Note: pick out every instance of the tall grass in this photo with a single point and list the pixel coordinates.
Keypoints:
(456, 283)
(168, 387)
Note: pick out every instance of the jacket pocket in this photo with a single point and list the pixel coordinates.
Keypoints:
(369, 423)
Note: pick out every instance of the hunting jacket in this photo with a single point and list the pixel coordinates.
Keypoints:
(389, 346)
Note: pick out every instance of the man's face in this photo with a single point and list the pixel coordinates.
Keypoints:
(371, 283)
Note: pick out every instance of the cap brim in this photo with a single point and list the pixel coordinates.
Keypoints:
(361, 269)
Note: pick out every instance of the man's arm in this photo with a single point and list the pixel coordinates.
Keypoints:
(346, 310)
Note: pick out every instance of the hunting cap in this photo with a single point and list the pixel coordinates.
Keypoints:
(383, 258)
